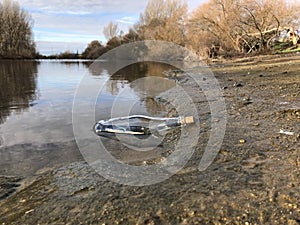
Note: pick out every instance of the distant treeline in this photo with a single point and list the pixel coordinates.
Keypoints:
(63, 55)
(16, 39)
(216, 28)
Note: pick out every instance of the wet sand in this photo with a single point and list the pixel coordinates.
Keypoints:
(255, 178)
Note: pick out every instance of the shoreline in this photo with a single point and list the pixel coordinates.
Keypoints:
(255, 178)
(211, 60)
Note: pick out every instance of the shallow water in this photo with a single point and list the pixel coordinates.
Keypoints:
(36, 101)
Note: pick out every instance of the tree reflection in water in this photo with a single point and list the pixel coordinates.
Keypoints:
(137, 77)
(17, 86)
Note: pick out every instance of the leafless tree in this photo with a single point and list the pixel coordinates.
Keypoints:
(111, 30)
(16, 39)
(164, 20)
(241, 26)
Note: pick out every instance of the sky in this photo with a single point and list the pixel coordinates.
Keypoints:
(69, 25)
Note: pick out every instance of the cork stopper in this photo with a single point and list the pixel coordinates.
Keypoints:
(187, 120)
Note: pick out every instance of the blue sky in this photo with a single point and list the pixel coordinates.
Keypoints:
(61, 25)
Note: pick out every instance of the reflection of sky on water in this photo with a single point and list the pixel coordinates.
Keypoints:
(42, 97)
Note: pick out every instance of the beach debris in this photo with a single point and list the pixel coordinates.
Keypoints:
(140, 124)
(286, 132)
(284, 103)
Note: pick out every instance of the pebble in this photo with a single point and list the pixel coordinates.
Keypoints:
(242, 141)
(238, 85)
(191, 214)
(29, 211)
(292, 222)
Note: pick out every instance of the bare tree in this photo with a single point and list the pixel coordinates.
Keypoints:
(164, 20)
(158, 11)
(111, 30)
(16, 39)
(242, 26)
(263, 20)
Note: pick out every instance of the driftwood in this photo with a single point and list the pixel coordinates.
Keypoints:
(290, 30)
(252, 40)
(293, 36)
(265, 32)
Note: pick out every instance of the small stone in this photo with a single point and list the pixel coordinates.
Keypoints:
(292, 222)
(247, 101)
(191, 214)
(242, 141)
(238, 85)
(29, 211)
(292, 206)
(252, 195)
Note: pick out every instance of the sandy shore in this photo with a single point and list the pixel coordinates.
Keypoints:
(255, 178)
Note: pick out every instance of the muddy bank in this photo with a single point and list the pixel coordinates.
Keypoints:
(255, 178)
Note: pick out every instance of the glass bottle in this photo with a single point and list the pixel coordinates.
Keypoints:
(140, 125)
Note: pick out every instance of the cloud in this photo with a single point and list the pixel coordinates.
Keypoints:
(91, 6)
(54, 47)
(56, 35)
(127, 20)
(71, 27)
(82, 21)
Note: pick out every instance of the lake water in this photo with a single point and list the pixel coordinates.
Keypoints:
(36, 101)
